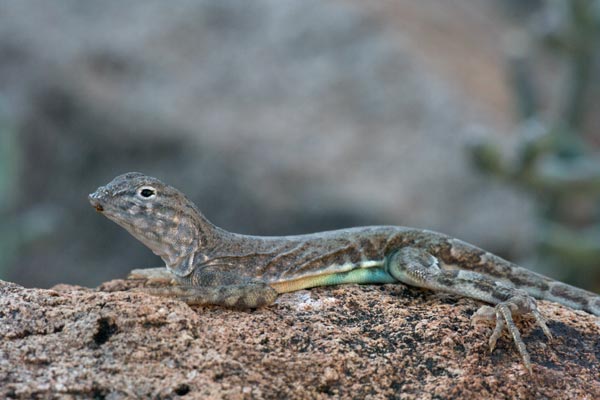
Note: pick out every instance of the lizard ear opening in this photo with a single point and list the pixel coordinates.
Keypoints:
(146, 192)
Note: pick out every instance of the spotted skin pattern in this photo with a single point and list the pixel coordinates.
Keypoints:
(208, 265)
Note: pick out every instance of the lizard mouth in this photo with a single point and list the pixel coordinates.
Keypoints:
(95, 202)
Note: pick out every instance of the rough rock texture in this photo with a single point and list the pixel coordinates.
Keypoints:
(345, 342)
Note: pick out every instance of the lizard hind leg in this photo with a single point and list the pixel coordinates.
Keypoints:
(417, 267)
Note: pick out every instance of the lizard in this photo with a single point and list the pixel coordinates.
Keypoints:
(208, 265)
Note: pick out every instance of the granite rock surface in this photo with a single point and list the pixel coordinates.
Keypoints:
(367, 342)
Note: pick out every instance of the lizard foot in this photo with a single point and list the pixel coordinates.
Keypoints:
(503, 312)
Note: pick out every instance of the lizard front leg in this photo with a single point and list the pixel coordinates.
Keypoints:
(208, 287)
(417, 267)
(159, 275)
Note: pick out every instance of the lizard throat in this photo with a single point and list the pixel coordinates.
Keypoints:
(178, 245)
(179, 255)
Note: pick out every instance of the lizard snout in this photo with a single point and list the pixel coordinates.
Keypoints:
(96, 199)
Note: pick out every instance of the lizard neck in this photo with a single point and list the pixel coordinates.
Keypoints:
(190, 241)
(177, 232)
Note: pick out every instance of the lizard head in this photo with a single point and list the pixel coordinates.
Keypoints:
(156, 214)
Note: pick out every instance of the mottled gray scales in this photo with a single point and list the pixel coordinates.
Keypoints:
(247, 295)
(208, 265)
(329, 257)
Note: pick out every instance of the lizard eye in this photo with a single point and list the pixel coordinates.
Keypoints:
(146, 192)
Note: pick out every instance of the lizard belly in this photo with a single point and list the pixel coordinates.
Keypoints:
(357, 275)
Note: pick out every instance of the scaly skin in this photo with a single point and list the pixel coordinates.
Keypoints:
(208, 265)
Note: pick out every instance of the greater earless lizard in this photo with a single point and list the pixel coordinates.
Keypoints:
(209, 265)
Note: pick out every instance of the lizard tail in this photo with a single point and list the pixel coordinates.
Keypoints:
(537, 285)
(571, 296)
(544, 288)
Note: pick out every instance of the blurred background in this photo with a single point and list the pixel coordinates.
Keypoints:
(476, 118)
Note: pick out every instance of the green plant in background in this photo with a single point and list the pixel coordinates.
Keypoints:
(19, 228)
(554, 159)
(9, 162)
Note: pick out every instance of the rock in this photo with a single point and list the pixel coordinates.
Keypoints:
(351, 341)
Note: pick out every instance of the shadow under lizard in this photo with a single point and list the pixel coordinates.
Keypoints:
(209, 265)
